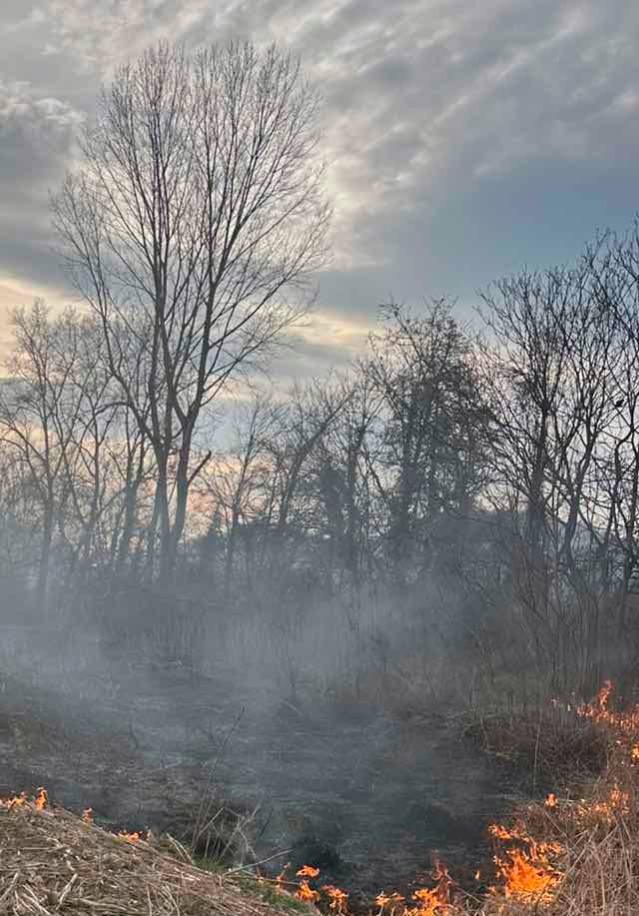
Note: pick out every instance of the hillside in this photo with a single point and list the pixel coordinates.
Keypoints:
(53, 861)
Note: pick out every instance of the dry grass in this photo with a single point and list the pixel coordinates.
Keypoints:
(597, 864)
(576, 854)
(53, 862)
(586, 838)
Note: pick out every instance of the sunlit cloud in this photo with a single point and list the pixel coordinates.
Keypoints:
(461, 140)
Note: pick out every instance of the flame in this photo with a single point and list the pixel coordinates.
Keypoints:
(307, 871)
(434, 901)
(527, 872)
(129, 837)
(304, 892)
(40, 801)
(501, 833)
(526, 877)
(392, 900)
(87, 815)
(625, 724)
(607, 809)
(16, 801)
(551, 801)
(337, 897)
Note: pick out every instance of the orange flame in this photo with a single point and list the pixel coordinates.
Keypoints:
(307, 871)
(525, 877)
(87, 815)
(434, 901)
(527, 874)
(304, 892)
(129, 837)
(392, 900)
(16, 801)
(337, 897)
(40, 801)
(626, 724)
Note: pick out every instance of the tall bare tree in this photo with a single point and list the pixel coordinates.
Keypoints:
(196, 222)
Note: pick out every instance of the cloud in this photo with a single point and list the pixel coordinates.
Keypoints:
(462, 139)
(101, 35)
(37, 135)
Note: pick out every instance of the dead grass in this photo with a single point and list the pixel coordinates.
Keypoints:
(584, 839)
(51, 861)
(598, 862)
(548, 742)
(591, 824)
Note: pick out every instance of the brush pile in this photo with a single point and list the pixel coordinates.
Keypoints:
(52, 861)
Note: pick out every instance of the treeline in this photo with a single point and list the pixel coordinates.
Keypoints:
(499, 463)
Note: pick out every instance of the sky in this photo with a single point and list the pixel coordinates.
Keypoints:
(464, 140)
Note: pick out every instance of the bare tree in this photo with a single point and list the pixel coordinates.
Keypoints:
(199, 206)
(428, 465)
(50, 418)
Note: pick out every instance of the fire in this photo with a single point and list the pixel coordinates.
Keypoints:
(434, 901)
(87, 815)
(337, 897)
(389, 900)
(304, 892)
(16, 801)
(551, 801)
(527, 874)
(40, 801)
(500, 833)
(129, 837)
(307, 871)
(526, 878)
(607, 809)
(625, 724)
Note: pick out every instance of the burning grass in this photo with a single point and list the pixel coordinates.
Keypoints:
(53, 861)
(574, 853)
(577, 852)
(552, 743)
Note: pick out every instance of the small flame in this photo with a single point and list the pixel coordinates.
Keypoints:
(304, 892)
(42, 799)
(501, 833)
(338, 899)
(16, 801)
(307, 871)
(434, 901)
(384, 900)
(551, 800)
(129, 837)
(87, 815)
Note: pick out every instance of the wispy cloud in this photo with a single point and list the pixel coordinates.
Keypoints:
(462, 139)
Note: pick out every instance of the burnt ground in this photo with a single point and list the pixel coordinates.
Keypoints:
(367, 797)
